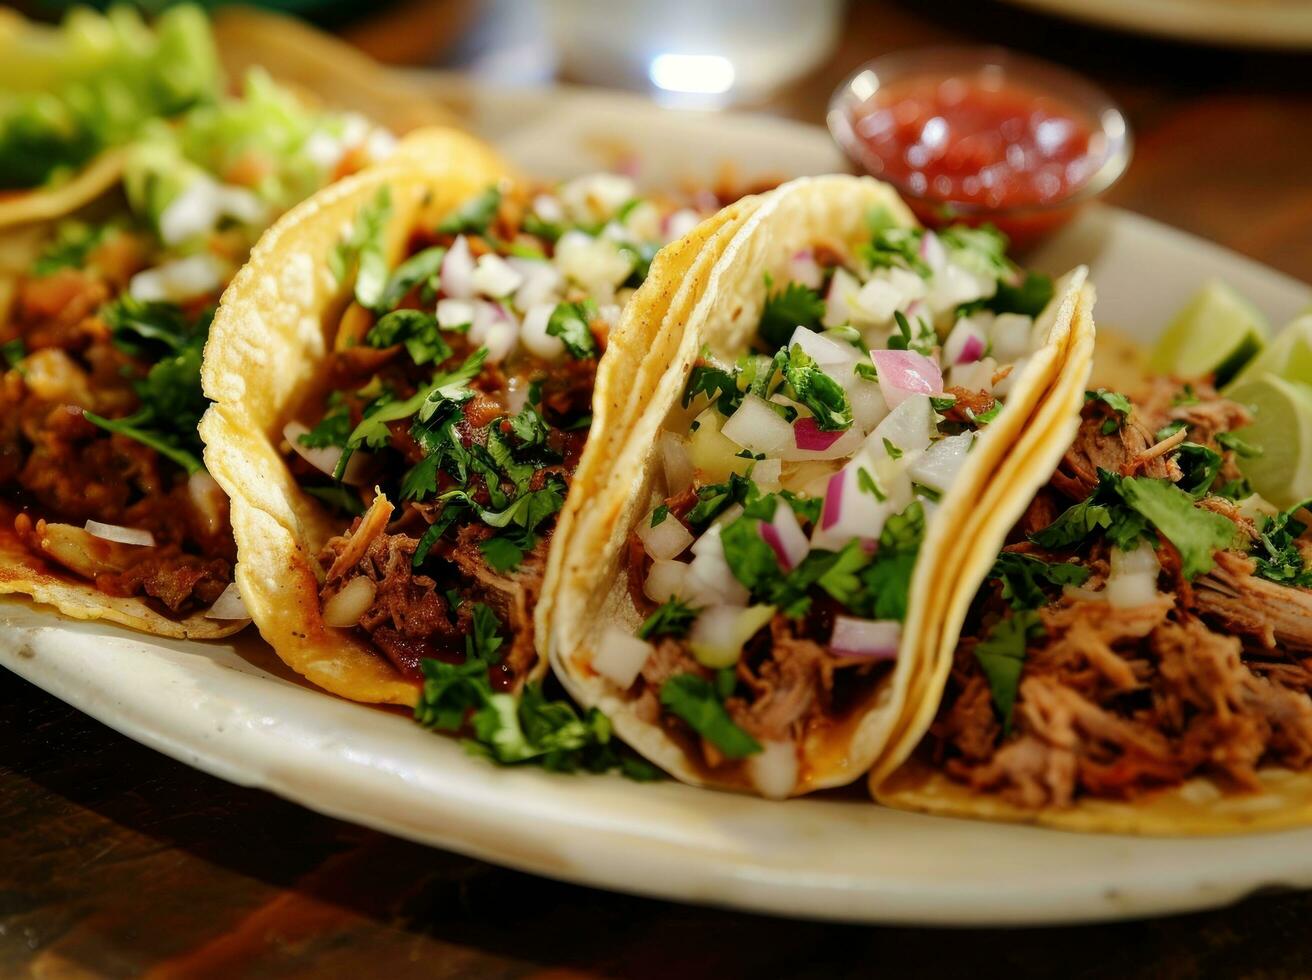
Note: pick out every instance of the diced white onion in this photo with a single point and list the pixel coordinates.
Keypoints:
(668, 539)
(877, 639)
(548, 209)
(841, 305)
(888, 290)
(773, 770)
(803, 268)
(677, 462)
(941, 462)
(975, 375)
(620, 656)
(595, 197)
(826, 352)
(666, 580)
(910, 426)
(594, 263)
(850, 511)
(495, 277)
(229, 605)
(324, 458)
(680, 223)
(200, 206)
(457, 274)
(868, 405)
(709, 576)
(785, 537)
(1004, 385)
(119, 534)
(756, 426)
(767, 473)
(534, 333)
(1010, 336)
(453, 313)
(541, 280)
(719, 632)
(345, 607)
(954, 285)
(1133, 578)
(932, 251)
(179, 280)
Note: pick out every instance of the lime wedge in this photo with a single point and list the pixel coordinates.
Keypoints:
(1282, 428)
(1216, 333)
(1289, 355)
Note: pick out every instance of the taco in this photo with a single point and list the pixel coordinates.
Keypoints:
(106, 510)
(1137, 660)
(747, 586)
(403, 383)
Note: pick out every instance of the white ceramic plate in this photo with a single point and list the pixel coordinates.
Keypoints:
(227, 709)
(1248, 23)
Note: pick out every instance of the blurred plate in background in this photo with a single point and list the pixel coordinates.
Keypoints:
(1246, 23)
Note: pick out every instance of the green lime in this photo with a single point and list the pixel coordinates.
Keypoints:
(1289, 355)
(1216, 333)
(1282, 429)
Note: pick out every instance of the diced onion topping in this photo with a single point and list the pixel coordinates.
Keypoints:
(719, 632)
(620, 656)
(966, 342)
(344, 609)
(666, 579)
(667, 539)
(903, 373)
(457, 274)
(495, 277)
(784, 536)
(803, 268)
(1133, 578)
(941, 463)
(119, 534)
(876, 639)
(229, 605)
(325, 458)
(677, 463)
(758, 427)
(773, 770)
(810, 437)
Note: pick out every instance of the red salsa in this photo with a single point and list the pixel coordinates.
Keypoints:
(977, 140)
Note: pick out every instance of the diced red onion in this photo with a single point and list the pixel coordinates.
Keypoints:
(620, 656)
(903, 373)
(784, 536)
(119, 534)
(229, 605)
(344, 609)
(966, 342)
(758, 427)
(875, 639)
(324, 458)
(667, 539)
(833, 505)
(457, 274)
(803, 268)
(810, 437)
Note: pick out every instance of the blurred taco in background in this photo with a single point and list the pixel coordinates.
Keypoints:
(106, 510)
(402, 380)
(748, 581)
(1137, 661)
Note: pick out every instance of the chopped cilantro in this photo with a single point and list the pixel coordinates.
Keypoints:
(1276, 551)
(816, 390)
(717, 384)
(714, 499)
(981, 250)
(865, 371)
(1024, 576)
(331, 430)
(1196, 533)
(672, 618)
(892, 450)
(659, 514)
(1029, 298)
(893, 246)
(569, 322)
(1118, 403)
(474, 215)
(696, 702)
(416, 329)
(419, 268)
(1237, 445)
(919, 338)
(785, 310)
(1001, 655)
(484, 639)
(13, 352)
(71, 248)
(363, 251)
(942, 403)
(1199, 467)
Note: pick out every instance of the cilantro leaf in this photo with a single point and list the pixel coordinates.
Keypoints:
(363, 250)
(1023, 578)
(787, 309)
(1118, 403)
(672, 618)
(474, 215)
(715, 383)
(816, 390)
(714, 499)
(72, 246)
(569, 322)
(895, 247)
(696, 702)
(1239, 446)
(484, 639)
(416, 329)
(1196, 533)
(418, 268)
(13, 352)
(331, 430)
(1276, 551)
(1001, 655)
(1199, 467)
(1029, 298)
(450, 693)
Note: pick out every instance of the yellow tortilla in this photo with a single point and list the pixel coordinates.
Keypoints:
(267, 345)
(587, 588)
(1199, 806)
(53, 202)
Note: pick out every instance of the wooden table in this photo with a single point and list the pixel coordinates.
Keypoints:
(115, 861)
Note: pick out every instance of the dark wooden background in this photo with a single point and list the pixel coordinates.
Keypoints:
(115, 861)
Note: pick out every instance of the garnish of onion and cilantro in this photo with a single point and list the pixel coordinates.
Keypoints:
(1128, 511)
(497, 465)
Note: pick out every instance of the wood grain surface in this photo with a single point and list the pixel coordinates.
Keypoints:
(115, 861)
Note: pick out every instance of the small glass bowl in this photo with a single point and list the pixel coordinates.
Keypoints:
(1026, 223)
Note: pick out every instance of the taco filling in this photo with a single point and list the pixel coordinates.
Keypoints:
(102, 331)
(454, 406)
(1148, 626)
(775, 575)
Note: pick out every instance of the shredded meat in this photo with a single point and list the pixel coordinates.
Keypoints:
(1126, 450)
(787, 686)
(1241, 602)
(177, 580)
